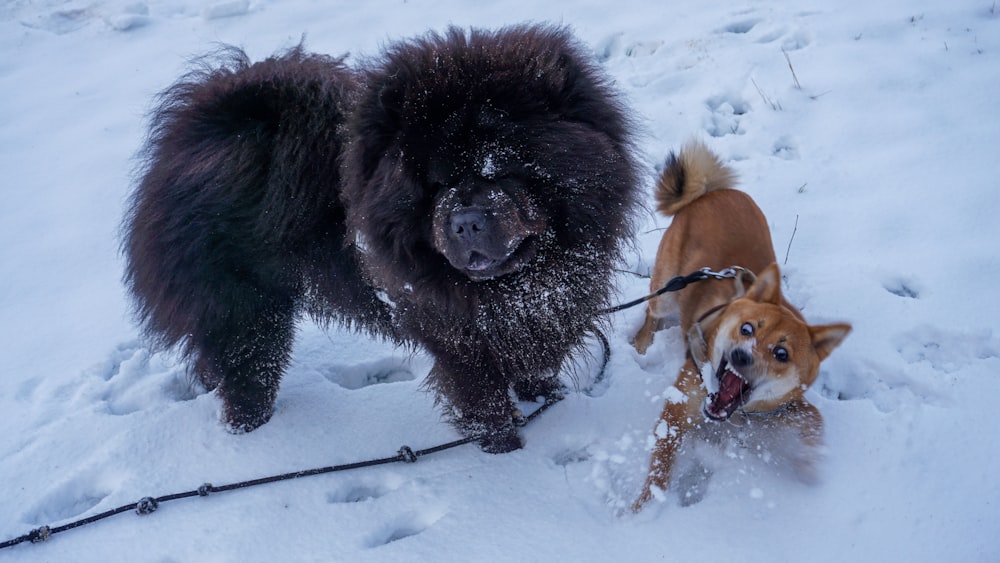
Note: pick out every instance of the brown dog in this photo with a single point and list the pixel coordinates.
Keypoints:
(762, 355)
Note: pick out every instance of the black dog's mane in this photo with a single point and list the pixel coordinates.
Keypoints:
(534, 84)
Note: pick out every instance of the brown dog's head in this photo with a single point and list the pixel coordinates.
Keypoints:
(763, 354)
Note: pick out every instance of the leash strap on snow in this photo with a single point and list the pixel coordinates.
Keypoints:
(148, 505)
(678, 283)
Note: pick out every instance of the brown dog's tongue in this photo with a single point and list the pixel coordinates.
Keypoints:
(732, 389)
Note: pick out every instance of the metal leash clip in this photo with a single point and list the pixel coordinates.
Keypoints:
(740, 275)
(726, 274)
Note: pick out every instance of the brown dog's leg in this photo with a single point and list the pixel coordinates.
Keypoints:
(644, 337)
(674, 421)
(807, 421)
(661, 312)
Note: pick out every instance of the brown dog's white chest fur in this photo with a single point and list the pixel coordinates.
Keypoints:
(747, 352)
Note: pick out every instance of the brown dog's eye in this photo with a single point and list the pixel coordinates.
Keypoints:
(780, 354)
(746, 329)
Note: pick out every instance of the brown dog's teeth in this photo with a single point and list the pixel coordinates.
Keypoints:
(733, 391)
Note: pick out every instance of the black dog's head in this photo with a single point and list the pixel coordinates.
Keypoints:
(472, 153)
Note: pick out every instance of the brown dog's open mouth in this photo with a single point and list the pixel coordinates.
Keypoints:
(733, 391)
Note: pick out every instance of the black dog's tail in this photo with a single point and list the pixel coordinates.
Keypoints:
(695, 172)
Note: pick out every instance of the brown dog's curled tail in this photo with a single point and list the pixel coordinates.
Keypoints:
(696, 171)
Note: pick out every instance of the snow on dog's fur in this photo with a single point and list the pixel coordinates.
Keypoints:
(468, 191)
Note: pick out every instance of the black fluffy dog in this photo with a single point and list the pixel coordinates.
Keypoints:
(469, 192)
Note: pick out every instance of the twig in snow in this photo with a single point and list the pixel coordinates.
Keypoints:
(772, 104)
(636, 274)
(794, 230)
(791, 68)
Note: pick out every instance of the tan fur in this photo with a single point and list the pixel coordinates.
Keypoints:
(716, 226)
(686, 177)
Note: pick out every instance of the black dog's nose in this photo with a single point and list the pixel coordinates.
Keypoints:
(740, 358)
(468, 224)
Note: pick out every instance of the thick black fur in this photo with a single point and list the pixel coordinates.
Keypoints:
(482, 180)
(236, 223)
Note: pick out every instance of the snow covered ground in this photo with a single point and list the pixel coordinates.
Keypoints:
(867, 131)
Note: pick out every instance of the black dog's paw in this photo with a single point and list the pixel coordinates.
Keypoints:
(244, 417)
(242, 425)
(501, 442)
(547, 388)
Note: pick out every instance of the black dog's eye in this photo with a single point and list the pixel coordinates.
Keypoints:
(746, 329)
(780, 354)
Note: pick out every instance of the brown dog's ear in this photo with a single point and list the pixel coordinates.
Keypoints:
(767, 287)
(744, 279)
(826, 338)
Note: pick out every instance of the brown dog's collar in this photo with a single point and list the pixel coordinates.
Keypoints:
(711, 312)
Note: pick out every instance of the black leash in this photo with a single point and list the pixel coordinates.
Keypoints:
(148, 505)
(678, 283)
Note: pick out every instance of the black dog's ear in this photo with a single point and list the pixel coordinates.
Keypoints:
(390, 102)
(386, 121)
(375, 124)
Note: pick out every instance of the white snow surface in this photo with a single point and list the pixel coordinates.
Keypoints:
(868, 132)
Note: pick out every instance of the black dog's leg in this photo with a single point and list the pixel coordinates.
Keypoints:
(244, 356)
(237, 216)
(479, 406)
